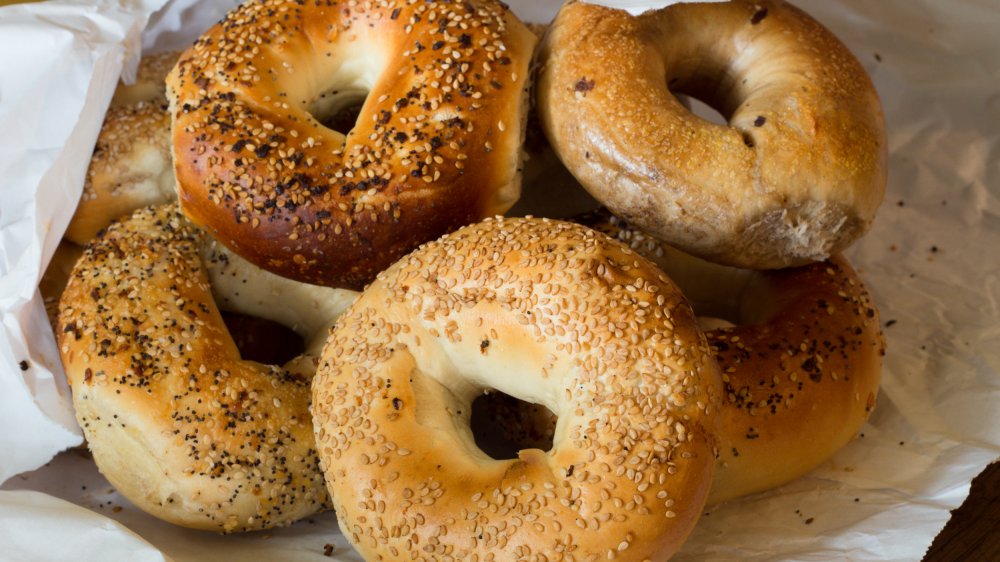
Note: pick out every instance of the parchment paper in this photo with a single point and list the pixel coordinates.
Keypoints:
(932, 262)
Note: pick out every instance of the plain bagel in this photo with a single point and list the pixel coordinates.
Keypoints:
(797, 173)
(549, 312)
(176, 421)
(437, 144)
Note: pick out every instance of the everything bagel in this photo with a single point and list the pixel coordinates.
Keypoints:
(437, 143)
(796, 175)
(176, 421)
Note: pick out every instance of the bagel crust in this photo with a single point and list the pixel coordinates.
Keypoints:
(176, 421)
(130, 169)
(796, 175)
(131, 166)
(550, 313)
(436, 145)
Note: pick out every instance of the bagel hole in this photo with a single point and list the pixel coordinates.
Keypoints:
(262, 340)
(713, 95)
(701, 109)
(503, 425)
(338, 110)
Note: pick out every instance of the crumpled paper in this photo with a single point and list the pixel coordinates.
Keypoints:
(930, 261)
(52, 102)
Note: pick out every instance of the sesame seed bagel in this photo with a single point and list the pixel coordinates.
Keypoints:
(131, 166)
(796, 175)
(437, 144)
(150, 81)
(176, 421)
(548, 312)
(801, 367)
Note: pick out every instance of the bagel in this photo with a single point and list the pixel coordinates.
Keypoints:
(795, 176)
(131, 166)
(176, 421)
(548, 312)
(437, 143)
(150, 81)
(801, 366)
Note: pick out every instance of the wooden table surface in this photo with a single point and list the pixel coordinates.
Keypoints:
(973, 533)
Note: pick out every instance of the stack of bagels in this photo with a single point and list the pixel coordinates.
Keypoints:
(342, 168)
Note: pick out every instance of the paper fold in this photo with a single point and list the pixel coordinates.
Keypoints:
(51, 108)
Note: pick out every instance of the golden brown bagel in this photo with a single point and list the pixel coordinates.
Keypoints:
(436, 146)
(150, 81)
(801, 367)
(131, 168)
(548, 312)
(176, 421)
(796, 175)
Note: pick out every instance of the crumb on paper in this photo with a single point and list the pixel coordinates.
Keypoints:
(328, 549)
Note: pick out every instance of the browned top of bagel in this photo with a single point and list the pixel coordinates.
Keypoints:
(796, 174)
(800, 381)
(130, 168)
(436, 146)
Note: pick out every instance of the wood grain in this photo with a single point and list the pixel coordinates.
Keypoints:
(973, 533)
